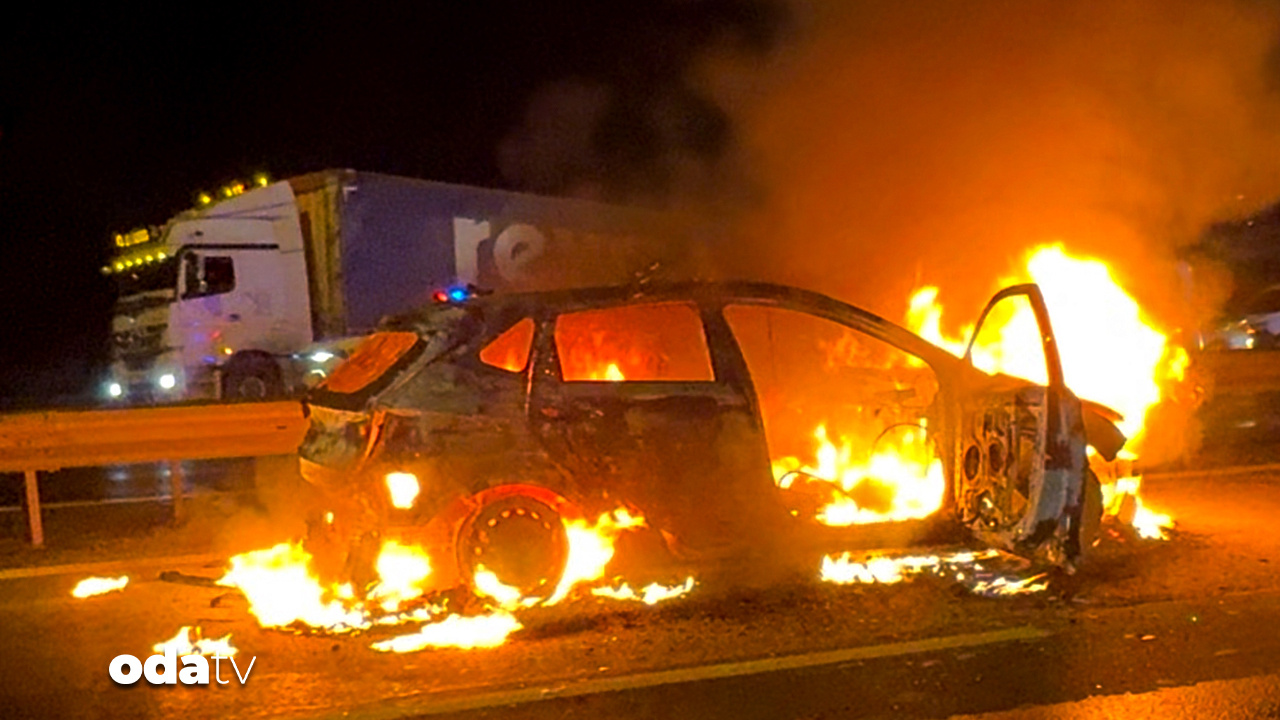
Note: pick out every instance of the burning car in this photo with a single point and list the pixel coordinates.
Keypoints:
(705, 422)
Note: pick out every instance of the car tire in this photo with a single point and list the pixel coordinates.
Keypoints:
(251, 377)
(521, 540)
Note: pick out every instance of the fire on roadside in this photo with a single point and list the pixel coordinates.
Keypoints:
(1111, 353)
(283, 589)
(190, 641)
(92, 586)
(650, 594)
(965, 568)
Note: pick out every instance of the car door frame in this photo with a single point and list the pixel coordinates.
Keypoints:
(1050, 530)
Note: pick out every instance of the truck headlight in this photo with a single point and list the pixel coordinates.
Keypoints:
(115, 390)
(167, 381)
(403, 487)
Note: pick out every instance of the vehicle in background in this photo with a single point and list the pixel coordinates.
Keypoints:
(1254, 326)
(258, 294)
(744, 422)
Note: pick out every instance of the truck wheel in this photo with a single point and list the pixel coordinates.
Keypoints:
(251, 377)
(521, 541)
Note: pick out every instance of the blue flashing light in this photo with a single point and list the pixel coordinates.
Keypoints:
(458, 294)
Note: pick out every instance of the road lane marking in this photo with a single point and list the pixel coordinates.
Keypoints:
(705, 672)
(106, 566)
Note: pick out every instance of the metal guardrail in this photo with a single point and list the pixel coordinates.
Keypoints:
(57, 439)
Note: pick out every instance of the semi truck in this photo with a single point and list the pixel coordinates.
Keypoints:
(257, 294)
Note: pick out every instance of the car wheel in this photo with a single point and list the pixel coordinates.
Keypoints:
(251, 377)
(518, 541)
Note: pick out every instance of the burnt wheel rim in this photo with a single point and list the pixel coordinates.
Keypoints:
(521, 541)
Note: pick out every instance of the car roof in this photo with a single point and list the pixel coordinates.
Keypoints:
(704, 293)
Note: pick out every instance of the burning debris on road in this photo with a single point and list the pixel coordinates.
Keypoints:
(189, 641)
(92, 586)
(965, 568)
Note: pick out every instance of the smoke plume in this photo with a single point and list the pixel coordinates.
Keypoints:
(936, 141)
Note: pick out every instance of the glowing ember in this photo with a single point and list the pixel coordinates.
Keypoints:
(1111, 353)
(403, 488)
(481, 631)
(591, 548)
(900, 480)
(1003, 586)
(962, 567)
(281, 590)
(91, 586)
(189, 642)
(402, 571)
(652, 594)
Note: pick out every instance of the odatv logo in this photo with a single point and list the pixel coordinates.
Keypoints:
(163, 669)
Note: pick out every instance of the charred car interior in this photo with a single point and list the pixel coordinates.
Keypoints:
(730, 423)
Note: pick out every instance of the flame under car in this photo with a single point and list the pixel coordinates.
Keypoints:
(737, 424)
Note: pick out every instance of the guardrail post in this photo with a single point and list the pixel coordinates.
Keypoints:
(34, 522)
(175, 489)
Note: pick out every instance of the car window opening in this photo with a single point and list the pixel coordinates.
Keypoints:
(660, 342)
(845, 418)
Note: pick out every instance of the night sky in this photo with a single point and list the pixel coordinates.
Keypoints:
(855, 148)
(113, 119)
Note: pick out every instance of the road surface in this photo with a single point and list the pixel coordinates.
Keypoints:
(1143, 628)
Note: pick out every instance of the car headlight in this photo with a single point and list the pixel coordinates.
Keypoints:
(167, 381)
(115, 390)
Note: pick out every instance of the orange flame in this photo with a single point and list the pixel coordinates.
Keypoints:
(651, 594)
(282, 589)
(91, 586)
(899, 480)
(1111, 353)
(479, 631)
(591, 548)
(183, 644)
(963, 567)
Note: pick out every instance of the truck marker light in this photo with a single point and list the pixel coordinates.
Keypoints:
(403, 488)
(168, 381)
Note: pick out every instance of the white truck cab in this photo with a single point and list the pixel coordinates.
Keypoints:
(216, 306)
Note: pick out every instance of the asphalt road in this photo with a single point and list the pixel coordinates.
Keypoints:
(1192, 623)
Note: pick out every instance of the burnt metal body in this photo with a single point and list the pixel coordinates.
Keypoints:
(690, 456)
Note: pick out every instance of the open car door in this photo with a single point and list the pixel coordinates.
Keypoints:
(1022, 470)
